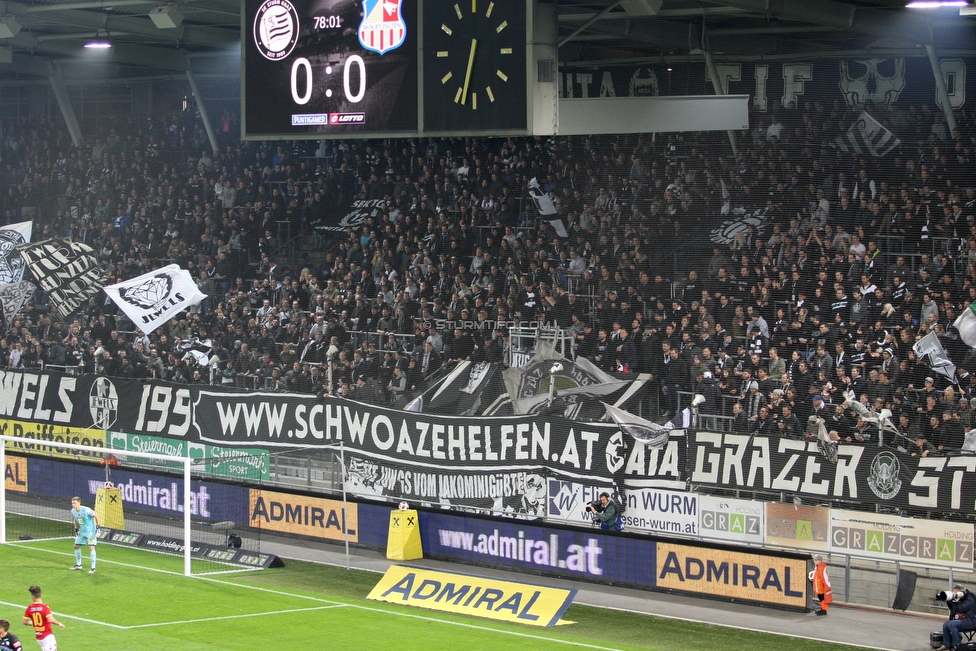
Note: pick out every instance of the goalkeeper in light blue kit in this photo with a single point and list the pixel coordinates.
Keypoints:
(86, 532)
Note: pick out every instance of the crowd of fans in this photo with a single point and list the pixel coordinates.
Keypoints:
(841, 262)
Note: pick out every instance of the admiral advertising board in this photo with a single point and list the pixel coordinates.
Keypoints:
(507, 601)
(771, 578)
(732, 574)
(15, 474)
(299, 515)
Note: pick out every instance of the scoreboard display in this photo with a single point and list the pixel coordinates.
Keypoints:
(329, 68)
(376, 68)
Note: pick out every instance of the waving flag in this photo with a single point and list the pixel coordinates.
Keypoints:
(68, 271)
(152, 299)
(931, 350)
(966, 325)
(12, 298)
(11, 264)
(867, 136)
(542, 202)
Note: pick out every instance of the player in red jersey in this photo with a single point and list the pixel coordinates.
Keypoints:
(41, 618)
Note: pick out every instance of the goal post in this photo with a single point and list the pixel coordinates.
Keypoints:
(36, 510)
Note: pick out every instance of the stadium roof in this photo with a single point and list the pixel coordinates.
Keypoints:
(50, 35)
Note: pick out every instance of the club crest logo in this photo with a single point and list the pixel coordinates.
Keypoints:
(276, 29)
(382, 28)
(884, 479)
(726, 233)
(148, 294)
(103, 403)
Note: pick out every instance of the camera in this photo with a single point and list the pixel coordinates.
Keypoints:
(947, 597)
(596, 507)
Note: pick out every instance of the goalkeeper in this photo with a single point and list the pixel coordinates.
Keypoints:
(86, 523)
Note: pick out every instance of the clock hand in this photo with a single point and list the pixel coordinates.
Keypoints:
(467, 74)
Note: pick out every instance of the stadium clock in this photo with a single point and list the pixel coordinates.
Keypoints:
(474, 65)
(344, 67)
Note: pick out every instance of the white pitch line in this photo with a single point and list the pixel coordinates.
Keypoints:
(426, 618)
(80, 619)
(214, 619)
(367, 608)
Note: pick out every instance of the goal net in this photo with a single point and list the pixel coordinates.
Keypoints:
(155, 510)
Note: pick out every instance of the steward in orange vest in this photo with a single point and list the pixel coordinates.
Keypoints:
(821, 585)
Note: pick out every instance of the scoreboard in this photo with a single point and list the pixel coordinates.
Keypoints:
(360, 68)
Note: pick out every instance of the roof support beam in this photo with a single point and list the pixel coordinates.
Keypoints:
(649, 30)
(141, 26)
(940, 88)
(896, 25)
(64, 102)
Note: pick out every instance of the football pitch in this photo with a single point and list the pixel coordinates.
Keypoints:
(140, 600)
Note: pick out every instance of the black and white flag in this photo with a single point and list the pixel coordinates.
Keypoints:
(542, 202)
(931, 350)
(152, 299)
(867, 136)
(201, 351)
(12, 298)
(11, 264)
(644, 431)
(68, 271)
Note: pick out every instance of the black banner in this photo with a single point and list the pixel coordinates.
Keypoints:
(570, 449)
(879, 81)
(863, 474)
(68, 271)
(515, 448)
(353, 215)
(416, 455)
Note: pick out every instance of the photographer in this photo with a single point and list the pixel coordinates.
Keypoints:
(962, 616)
(607, 513)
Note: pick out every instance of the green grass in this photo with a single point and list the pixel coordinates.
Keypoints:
(140, 601)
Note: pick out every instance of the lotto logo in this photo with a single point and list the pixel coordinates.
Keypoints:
(347, 118)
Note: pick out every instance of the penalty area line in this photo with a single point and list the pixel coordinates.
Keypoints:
(74, 617)
(215, 619)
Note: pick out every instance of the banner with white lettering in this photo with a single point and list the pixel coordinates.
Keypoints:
(520, 493)
(68, 271)
(866, 475)
(592, 452)
(152, 299)
(882, 83)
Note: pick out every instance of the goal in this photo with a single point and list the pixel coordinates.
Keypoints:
(155, 509)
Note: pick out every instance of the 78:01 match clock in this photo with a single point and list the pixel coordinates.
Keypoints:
(334, 68)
